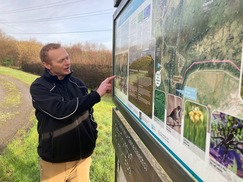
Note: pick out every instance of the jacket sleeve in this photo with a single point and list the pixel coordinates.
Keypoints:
(56, 107)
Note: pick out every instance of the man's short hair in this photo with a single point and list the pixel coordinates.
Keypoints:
(44, 57)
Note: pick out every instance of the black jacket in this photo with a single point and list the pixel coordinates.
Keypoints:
(66, 127)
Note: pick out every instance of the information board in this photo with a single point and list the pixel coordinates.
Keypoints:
(137, 163)
(179, 73)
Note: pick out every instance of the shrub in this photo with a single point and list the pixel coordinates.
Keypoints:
(91, 74)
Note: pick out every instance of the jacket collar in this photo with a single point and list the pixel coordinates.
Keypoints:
(54, 79)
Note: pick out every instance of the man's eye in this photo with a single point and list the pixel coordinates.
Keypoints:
(61, 61)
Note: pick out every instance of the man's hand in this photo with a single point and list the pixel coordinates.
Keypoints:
(105, 86)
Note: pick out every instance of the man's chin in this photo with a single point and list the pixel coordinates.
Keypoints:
(67, 72)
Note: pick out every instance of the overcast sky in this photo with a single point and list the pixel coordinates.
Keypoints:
(65, 21)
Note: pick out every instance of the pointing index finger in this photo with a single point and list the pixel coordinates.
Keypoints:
(109, 79)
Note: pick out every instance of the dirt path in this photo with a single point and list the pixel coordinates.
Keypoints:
(21, 120)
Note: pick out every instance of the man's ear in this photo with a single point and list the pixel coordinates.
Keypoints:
(46, 65)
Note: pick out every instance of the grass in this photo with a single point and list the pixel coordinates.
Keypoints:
(13, 96)
(25, 77)
(12, 99)
(103, 165)
(19, 160)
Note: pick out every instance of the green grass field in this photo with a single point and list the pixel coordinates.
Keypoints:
(19, 161)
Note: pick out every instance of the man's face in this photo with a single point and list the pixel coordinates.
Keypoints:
(59, 64)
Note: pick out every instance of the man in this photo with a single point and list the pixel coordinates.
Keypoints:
(66, 127)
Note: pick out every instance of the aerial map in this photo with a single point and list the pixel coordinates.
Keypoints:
(179, 67)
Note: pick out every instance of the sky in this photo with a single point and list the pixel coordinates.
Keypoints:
(64, 21)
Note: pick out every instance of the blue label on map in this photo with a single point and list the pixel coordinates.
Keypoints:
(189, 93)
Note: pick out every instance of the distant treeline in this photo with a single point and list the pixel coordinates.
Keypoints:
(90, 62)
